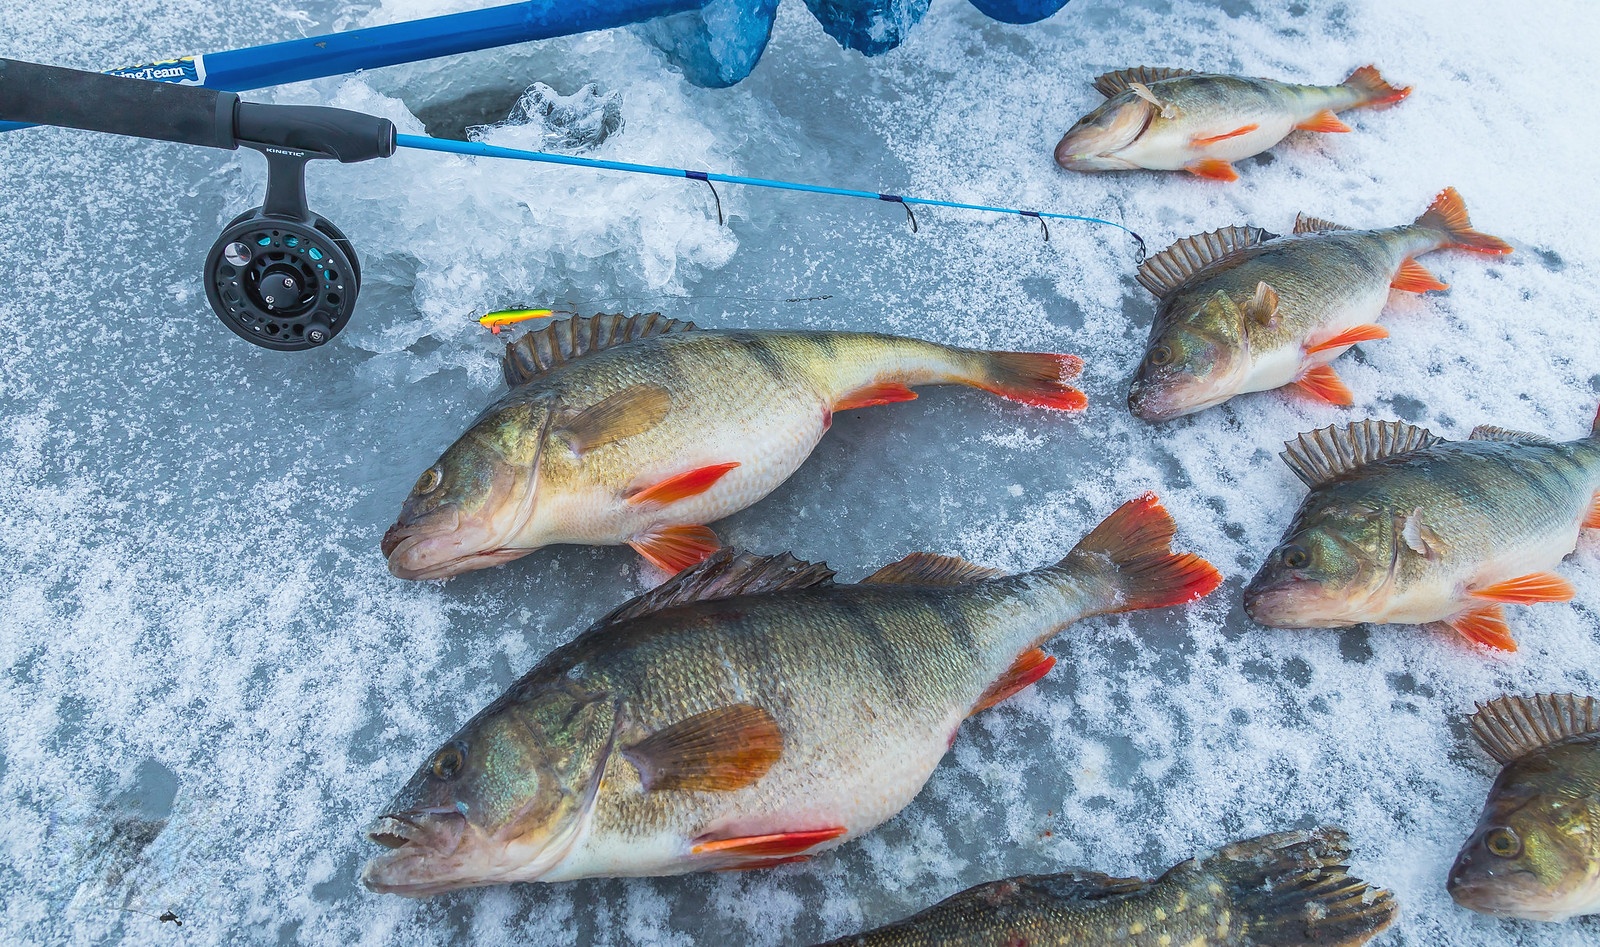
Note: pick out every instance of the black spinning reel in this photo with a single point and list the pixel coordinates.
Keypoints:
(280, 276)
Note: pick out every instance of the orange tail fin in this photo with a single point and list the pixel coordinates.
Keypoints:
(1036, 378)
(1448, 215)
(1131, 553)
(1373, 88)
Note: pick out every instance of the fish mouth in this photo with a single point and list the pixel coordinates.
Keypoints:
(1513, 893)
(1284, 603)
(426, 852)
(1149, 404)
(438, 550)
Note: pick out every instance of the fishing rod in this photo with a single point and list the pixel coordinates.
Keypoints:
(715, 42)
(280, 275)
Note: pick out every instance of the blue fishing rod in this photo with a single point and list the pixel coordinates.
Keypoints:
(280, 275)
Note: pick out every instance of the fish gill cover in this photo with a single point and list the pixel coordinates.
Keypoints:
(211, 682)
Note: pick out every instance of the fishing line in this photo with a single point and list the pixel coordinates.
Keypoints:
(481, 150)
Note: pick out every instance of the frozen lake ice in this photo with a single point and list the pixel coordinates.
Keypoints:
(211, 682)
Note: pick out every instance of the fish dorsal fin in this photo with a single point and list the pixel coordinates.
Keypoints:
(1307, 224)
(1488, 432)
(1116, 83)
(560, 342)
(1320, 456)
(1172, 267)
(926, 568)
(1509, 728)
(726, 573)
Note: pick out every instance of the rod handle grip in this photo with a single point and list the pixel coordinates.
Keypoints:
(72, 98)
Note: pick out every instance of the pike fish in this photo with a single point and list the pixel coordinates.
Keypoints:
(1536, 850)
(1177, 119)
(1242, 310)
(642, 429)
(1281, 890)
(1402, 526)
(751, 712)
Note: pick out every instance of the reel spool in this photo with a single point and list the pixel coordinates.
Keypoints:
(283, 284)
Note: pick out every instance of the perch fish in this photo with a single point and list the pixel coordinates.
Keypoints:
(751, 712)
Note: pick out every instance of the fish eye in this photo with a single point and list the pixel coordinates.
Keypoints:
(428, 482)
(1160, 355)
(1295, 557)
(1503, 843)
(447, 763)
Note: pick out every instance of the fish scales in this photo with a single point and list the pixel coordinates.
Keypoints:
(750, 711)
(644, 441)
(865, 680)
(1285, 889)
(1432, 534)
(1535, 852)
(1241, 310)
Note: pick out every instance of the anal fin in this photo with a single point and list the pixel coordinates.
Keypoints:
(781, 845)
(1322, 383)
(1413, 277)
(1028, 668)
(1200, 142)
(1212, 169)
(1592, 519)
(1486, 626)
(1528, 589)
(673, 549)
(873, 395)
(1366, 332)
(682, 486)
(1324, 121)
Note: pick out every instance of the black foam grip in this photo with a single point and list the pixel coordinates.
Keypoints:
(72, 98)
(348, 136)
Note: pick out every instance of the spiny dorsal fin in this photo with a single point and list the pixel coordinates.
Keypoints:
(926, 568)
(715, 751)
(726, 573)
(559, 342)
(1116, 83)
(1307, 224)
(1488, 432)
(1320, 456)
(1172, 267)
(1512, 727)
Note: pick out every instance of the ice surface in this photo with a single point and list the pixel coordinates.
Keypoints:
(211, 682)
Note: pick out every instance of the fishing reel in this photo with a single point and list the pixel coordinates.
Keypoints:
(279, 275)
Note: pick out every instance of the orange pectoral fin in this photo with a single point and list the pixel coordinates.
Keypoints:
(1322, 383)
(673, 549)
(1199, 142)
(1592, 520)
(1323, 121)
(1413, 277)
(1362, 333)
(1528, 589)
(1214, 169)
(874, 395)
(1486, 626)
(782, 845)
(683, 486)
(1028, 668)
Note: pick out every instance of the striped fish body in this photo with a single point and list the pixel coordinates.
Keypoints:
(653, 431)
(1243, 310)
(740, 731)
(1284, 889)
(1172, 119)
(1535, 852)
(1404, 527)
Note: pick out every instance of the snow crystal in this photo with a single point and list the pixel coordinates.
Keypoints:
(211, 682)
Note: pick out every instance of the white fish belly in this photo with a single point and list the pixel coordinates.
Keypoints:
(1447, 596)
(1285, 364)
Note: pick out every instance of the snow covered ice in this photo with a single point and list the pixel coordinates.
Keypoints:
(211, 682)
